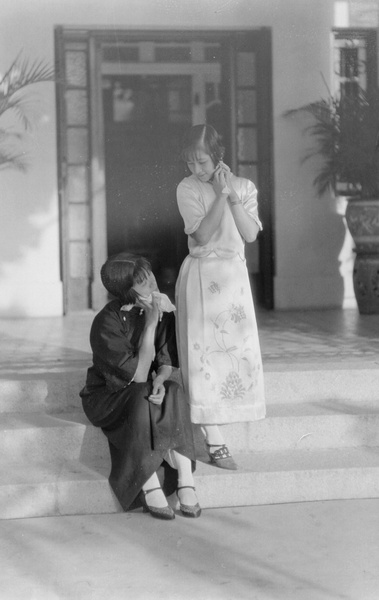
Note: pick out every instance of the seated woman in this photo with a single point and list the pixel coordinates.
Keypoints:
(144, 415)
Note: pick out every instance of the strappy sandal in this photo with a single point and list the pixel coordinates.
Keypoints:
(222, 457)
(165, 513)
(186, 510)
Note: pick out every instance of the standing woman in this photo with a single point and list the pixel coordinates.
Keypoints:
(128, 394)
(219, 352)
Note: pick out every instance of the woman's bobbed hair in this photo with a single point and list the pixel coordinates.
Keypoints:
(203, 137)
(120, 272)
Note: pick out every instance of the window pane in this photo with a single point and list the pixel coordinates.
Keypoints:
(173, 53)
(212, 53)
(77, 184)
(349, 89)
(246, 68)
(77, 107)
(349, 62)
(249, 172)
(79, 259)
(247, 144)
(78, 220)
(120, 53)
(246, 106)
(77, 145)
(76, 71)
(151, 98)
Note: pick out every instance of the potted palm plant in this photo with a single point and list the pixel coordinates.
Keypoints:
(21, 74)
(345, 134)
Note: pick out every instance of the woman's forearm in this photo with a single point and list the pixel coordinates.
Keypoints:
(210, 222)
(146, 355)
(246, 225)
(164, 373)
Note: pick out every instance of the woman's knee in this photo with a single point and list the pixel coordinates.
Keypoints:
(141, 390)
(173, 387)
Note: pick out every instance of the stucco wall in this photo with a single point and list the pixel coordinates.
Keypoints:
(308, 232)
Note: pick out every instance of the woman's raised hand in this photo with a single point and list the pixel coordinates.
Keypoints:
(228, 177)
(219, 181)
(152, 310)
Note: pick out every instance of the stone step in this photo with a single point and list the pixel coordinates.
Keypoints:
(42, 437)
(295, 430)
(291, 476)
(53, 488)
(70, 487)
(51, 393)
(28, 437)
(57, 392)
(305, 383)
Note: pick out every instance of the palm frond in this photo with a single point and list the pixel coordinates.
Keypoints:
(21, 74)
(13, 159)
(19, 105)
(345, 131)
(9, 134)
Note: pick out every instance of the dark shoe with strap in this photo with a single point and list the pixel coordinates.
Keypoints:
(166, 513)
(189, 511)
(222, 457)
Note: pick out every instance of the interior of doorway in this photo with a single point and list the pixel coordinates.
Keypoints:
(145, 119)
(143, 134)
(145, 116)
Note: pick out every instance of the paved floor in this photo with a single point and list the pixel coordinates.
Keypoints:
(321, 336)
(58, 343)
(307, 551)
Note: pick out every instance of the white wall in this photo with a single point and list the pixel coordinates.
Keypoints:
(308, 232)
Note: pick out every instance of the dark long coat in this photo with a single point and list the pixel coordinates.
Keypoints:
(139, 433)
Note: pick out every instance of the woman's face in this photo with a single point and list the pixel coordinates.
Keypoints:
(201, 165)
(147, 286)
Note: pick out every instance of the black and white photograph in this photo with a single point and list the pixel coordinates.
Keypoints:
(189, 300)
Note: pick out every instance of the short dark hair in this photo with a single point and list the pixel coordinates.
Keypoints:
(206, 137)
(121, 271)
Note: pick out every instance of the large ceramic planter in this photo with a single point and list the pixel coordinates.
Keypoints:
(362, 218)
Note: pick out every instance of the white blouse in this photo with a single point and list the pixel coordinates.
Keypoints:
(195, 199)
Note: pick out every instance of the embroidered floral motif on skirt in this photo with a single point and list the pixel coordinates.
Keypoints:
(218, 341)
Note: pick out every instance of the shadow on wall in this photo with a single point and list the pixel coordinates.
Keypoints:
(312, 252)
(342, 257)
(346, 259)
(29, 227)
(335, 245)
(29, 262)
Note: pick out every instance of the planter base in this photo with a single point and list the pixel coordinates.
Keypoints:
(366, 283)
(362, 218)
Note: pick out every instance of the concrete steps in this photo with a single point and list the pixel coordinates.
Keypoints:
(46, 438)
(38, 437)
(63, 487)
(71, 487)
(50, 393)
(292, 476)
(56, 392)
(320, 441)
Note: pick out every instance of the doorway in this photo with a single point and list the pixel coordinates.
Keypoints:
(147, 108)
(124, 102)
(143, 129)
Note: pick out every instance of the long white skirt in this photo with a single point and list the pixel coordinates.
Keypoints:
(218, 343)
